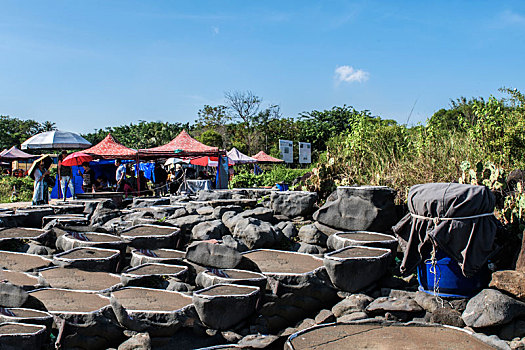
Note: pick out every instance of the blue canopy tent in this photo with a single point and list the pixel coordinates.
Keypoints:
(101, 167)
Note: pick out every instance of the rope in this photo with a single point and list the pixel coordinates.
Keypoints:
(433, 270)
(437, 220)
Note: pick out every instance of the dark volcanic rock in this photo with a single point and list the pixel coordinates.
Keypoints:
(287, 228)
(364, 208)
(492, 308)
(293, 203)
(310, 234)
(208, 230)
(213, 255)
(255, 233)
(11, 295)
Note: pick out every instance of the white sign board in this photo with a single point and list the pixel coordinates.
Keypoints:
(305, 152)
(286, 148)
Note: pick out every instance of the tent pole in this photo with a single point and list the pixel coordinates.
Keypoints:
(137, 169)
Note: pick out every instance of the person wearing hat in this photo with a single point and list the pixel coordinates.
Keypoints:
(40, 186)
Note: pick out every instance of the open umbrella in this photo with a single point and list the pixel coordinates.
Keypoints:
(76, 158)
(173, 161)
(46, 158)
(56, 139)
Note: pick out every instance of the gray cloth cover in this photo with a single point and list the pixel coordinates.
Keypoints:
(469, 241)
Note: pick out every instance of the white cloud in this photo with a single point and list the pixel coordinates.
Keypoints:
(215, 30)
(349, 74)
(511, 18)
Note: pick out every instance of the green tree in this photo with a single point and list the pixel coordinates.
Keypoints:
(15, 130)
(318, 127)
(214, 118)
(251, 119)
(141, 135)
(211, 138)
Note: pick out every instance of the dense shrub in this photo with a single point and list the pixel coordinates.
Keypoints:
(270, 177)
(23, 185)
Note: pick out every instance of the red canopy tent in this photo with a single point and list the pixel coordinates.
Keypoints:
(109, 148)
(264, 158)
(208, 161)
(182, 146)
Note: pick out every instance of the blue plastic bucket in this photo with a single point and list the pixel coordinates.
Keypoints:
(282, 187)
(450, 280)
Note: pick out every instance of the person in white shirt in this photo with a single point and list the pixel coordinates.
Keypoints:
(120, 175)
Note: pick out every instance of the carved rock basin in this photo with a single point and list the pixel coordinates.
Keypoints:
(151, 236)
(152, 275)
(276, 262)
(341, 240)
(18, 278)
(231, 276)
(354, 268)
(90, 258)
(384, 337)
(165, 256)
(14, 336)
(29, 316)
(22, 261)
(62, 301)
(159, 312)
(75, 279)
(23, 233)
(90, 239)
(222, 306)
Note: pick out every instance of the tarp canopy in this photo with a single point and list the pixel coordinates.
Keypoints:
(56, 139)
(456, 218)
(109, 148)
(15, 154)
(236, 157)
(182, 146)
(264, 158)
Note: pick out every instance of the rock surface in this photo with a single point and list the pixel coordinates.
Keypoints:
(509, 281)
(359, 209)
(293, 203)
(213, 255)
(491, 308)
(255, 233)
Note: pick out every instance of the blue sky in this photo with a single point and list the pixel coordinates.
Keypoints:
(92, 64)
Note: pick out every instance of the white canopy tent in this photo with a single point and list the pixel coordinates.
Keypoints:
(236, 157)
(56, 139)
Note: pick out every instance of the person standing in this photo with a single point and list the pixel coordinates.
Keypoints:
(66, 177)
(120, 175)
(40, 186)
(160, 177)
(88, 178)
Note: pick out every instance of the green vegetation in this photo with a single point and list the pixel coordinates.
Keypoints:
(277, 174)
(378, 152)
(15, 131)
(23, 186)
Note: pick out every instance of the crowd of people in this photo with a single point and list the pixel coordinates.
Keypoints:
(125, 180)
